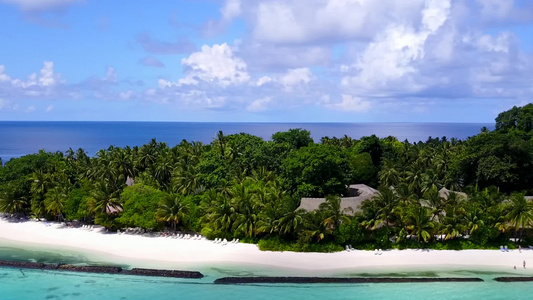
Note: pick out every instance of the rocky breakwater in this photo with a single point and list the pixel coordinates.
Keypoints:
(513, 279)
(101, 269)
(164, 273)
(307, 280)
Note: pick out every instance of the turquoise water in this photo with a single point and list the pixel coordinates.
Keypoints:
(37, 284)
(22, 284)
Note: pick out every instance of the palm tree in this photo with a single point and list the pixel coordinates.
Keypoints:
(334, 214)
(185, 179)
(389, 176)
(247, 209)
(520, 212)
(122, 161)
(387, 202)
(147, 155)
(292, 222)
(372, 215)
(172, 209)
(474, 219)
(11, 203)
(220, 143)
(103, 198)
(414, 179)
(435, 202)
(419, 223)
(219, 210)
(55, 201)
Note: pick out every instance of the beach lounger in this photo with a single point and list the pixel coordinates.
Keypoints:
(505, 248)
(501, 249)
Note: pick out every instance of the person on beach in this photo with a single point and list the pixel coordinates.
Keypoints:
(524, 264)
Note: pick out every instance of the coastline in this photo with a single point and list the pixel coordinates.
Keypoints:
(246, 259)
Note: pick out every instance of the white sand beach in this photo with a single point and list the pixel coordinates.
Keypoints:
(170, 252)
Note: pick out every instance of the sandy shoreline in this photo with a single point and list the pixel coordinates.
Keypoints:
(168, 252)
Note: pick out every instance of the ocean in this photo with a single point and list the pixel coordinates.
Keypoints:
(22, 138)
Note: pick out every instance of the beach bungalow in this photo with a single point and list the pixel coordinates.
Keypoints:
(358, 193)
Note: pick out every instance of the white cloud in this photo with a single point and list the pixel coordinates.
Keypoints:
(294, 22)
(495, 9)
(350, 104)
(47, 74)
(499, 43)
(126, 95)
(231, 9)
(276, 23)
(393, 55)
(110, 75)
(215, 64)
(259, 104)
(40, 5)
(49, 108)
(3, 103)
(3, 76)
(296, 76)
(30, 109)
(47, 79)
(263, 80)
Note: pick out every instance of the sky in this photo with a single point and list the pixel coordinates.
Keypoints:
(264, 60)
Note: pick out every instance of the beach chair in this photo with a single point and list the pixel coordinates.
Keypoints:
(348, 248)
(501, 249)
(505, 248)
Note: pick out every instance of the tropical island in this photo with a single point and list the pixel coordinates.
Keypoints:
(438, 194)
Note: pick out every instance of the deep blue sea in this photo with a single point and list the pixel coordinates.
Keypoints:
(21, 138)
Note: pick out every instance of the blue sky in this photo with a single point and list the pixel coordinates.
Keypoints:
(265, 61)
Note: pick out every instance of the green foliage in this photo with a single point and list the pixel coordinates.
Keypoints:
(296, 138)
(316, 171)
(140, 203)
(240, 186)
(371, 145)
(74, 208)
(278, 244)
(517, 118)
(351, 233)
(362, 169)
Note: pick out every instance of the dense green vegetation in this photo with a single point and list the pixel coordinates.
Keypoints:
(240, 186)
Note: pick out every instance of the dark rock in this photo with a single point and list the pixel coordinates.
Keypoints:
(164, 273)
(513, 279)
(102, 269)
(21, 264)
(240, 280)
(91, 269)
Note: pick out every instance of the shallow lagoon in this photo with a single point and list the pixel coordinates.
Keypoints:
(42, 284)
(37, 284)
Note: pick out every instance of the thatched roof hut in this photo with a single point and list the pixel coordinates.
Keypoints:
(358, 194)
(445, 193)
